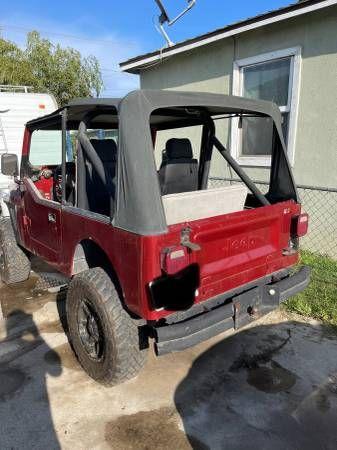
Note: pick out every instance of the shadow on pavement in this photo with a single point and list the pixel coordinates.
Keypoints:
(272, 386)
(25, 415)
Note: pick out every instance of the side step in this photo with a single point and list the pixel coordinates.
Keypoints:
(51, 281)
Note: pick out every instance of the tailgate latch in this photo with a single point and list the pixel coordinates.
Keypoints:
(185, 240)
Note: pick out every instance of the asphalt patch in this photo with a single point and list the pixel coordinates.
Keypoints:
(322, 402)
(247, 361)
(148, 430)
(11, 382)
(263, 372)
(271, 379)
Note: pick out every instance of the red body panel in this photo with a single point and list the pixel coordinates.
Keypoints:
(235, 248)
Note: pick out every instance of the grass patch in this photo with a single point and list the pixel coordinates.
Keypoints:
(319, 299)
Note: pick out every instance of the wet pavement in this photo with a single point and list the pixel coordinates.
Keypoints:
(270, 386)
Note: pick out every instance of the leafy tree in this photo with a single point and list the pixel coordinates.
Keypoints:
(14, 68)
(48, 67)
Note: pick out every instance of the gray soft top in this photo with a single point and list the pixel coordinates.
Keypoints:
(138, 205)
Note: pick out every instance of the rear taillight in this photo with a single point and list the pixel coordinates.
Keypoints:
(174, 259)
(299, 225)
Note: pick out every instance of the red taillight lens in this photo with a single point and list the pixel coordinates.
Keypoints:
(300, 225)
(174, 260)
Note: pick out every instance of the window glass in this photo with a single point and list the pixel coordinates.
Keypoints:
(257, 136)
(46, 148)
(103, 134)
(193, 134)
(268, 81)
(92, 134)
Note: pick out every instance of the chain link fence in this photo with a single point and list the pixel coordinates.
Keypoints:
(321, 205)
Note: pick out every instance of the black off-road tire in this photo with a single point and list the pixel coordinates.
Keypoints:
(14, 264)
(123, 357)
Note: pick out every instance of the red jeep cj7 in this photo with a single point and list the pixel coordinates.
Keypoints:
(152, 251)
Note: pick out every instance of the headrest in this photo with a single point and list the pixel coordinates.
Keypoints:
(106, 149)
(179, 148)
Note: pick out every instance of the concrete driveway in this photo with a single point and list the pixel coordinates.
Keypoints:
(272, 386)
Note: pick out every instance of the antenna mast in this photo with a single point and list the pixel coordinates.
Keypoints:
(164, 18)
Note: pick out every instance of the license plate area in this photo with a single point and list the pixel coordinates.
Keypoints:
(253, 304)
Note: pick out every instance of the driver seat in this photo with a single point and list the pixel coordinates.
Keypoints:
(179, 170)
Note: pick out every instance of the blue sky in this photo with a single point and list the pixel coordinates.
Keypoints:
(117, 30)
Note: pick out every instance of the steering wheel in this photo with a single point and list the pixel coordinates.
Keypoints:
(45, 173)
(57, 186)
(70, 183)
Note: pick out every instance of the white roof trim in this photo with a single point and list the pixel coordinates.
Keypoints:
(208, 40)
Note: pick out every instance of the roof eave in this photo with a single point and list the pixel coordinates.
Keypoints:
(135, 65)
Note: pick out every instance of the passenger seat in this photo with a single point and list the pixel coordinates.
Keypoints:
(179, 170)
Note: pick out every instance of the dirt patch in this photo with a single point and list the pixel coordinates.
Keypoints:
(23, 297)
(149, 430)
(271, 379)
(63, 355)
(11, 382)
(51, 327)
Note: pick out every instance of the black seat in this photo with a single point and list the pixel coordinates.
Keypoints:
(99, 195)
(179, 170)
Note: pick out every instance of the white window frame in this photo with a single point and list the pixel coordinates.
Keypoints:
(292, 107)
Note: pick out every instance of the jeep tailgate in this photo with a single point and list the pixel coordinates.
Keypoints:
(240, 247)
(224, 252)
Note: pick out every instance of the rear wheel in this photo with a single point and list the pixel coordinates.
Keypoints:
(104, 337)
(14, 264)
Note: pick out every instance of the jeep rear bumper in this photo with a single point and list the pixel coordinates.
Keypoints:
(235, 312)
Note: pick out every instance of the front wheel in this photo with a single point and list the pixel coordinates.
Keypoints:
(104, 337)
(14, 264)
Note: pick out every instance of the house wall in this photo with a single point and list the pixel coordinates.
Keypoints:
(210, 69)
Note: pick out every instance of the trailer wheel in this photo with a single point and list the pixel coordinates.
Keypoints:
(14, 264)
(104, 337)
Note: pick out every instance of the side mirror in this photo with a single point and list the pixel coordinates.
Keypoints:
(9, 164)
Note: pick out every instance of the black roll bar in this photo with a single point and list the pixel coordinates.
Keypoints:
(91, 154)
(241, 173)
(63, 164)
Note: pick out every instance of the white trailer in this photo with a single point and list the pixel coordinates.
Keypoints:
(17, 107)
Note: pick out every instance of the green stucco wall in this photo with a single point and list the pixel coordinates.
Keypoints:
(210, 69)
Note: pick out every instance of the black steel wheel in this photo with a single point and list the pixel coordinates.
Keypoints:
(90, 330)
(105, 339)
